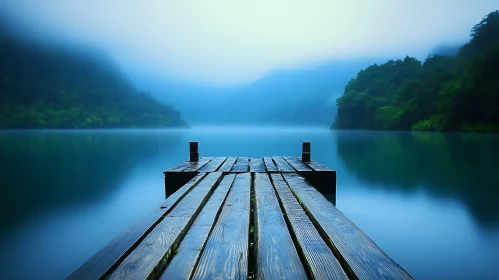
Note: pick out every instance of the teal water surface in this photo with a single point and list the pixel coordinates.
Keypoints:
(430, 200)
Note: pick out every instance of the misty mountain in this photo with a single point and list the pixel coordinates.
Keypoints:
(47, 86)
(298, 96)
(443, 93)
(446, 50)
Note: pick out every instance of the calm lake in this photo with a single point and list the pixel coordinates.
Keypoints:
(429, 200)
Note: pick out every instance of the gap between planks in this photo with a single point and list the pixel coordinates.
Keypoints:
(319, 260)
(149, 258)
(225, 255)
(357, 253)
(277, 256)
(185, 261)
(102, 263)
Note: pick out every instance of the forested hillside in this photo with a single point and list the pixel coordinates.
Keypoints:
(442, 93)
(42, 86)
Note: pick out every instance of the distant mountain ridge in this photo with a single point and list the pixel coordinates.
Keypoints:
(298, 96)
(48, 86)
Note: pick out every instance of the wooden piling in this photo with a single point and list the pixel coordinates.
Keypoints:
(193, 151)
(305, 155)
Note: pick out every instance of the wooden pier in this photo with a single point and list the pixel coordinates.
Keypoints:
(244, 218)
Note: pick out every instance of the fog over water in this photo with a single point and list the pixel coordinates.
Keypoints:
(251, 78)
(226, 42)
(289, 60)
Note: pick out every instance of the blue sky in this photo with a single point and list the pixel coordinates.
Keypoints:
(234, 41)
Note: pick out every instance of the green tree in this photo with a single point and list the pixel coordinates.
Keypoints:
(443, 93)
(46, 87)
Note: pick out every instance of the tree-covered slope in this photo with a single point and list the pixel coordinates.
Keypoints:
(42, 86)
(441, 93)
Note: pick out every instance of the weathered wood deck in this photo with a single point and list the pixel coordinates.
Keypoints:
(323, 178)
(244, 218)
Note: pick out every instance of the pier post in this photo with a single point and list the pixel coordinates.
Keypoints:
(193, 151)
(305, 155)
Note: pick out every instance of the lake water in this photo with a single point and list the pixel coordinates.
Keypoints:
(429, 200)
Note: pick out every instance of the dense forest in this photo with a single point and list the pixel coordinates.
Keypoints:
(42, 86)
(458, 92)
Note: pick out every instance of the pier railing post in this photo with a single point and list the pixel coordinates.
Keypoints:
(193, 152)
(305, 155)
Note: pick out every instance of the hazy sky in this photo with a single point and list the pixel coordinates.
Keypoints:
(233, 41)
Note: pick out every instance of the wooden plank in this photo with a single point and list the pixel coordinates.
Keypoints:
(282, 165)
(359, 254)
(315, 165)
(277, 257)
(150, 257)
(256, 165)
(297, 164)
(229, 162)
(194, 166)
(213, 165)
(225, 255)
(179, 167)
(269, 165)
(241, 165)
(100, 264)
(183, 263)
(319, 259)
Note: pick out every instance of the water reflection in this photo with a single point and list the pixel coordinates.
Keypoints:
(64, 195)
(46, 170)
(462, 166)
